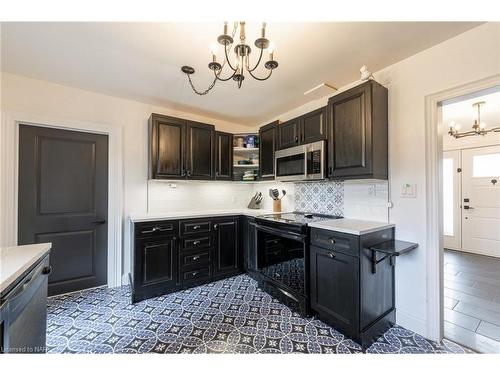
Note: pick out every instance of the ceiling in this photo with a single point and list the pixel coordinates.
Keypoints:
(141, 61)
(461, 112)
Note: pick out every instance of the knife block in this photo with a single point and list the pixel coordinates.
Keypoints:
(277, 205)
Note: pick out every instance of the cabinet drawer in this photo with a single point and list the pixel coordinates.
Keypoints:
(198, 242)
(196, 274)
(193, 259)
(195, 226)
(156, 228)
(341, 242)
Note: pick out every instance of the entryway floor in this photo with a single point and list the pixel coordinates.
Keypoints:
(227, 316)
(472, 300)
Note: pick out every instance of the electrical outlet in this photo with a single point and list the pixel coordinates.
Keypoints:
(408, 190)
(172, 186)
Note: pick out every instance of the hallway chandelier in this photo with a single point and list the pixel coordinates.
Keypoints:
(478, 128)
(240, 64)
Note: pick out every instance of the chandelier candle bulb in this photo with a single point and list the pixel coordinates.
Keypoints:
(263, 30)
(225, 28)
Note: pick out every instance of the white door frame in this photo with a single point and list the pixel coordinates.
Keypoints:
(434, 204)
(9, 143)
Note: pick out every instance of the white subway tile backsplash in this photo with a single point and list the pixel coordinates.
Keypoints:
(354, 199)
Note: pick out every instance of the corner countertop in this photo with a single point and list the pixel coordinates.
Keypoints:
(137, 218)
(352, 226)
(16, 260)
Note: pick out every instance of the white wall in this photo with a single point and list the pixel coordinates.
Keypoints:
(449, 64)
(39, 98)
(466, 58)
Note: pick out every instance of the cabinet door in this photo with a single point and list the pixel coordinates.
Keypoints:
(156, 264)
(313, 126)
(350, 132)
(227, 258)
(200, 147)
(289, 133)
(223, 156)
(249, 245)
(267, 135)
(166, 143)
(335, 288)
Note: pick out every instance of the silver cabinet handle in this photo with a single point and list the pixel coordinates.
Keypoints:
(196, 257)
(331, 240)
(157, 229)
(194, 273)
(215, 226)
(196, 242)
(196, 227)
(331, 255)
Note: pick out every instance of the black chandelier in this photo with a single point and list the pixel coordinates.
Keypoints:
(241, 64)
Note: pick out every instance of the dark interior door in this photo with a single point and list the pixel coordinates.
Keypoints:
(63, 199)
(267, 136)
(200, 146)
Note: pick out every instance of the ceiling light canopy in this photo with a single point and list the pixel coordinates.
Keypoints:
(239, 63)
(478, 128)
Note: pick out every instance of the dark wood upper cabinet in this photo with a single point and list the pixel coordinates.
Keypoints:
(223, 156)
(180, 149)
(307, 128)
(268, 135)
(357, 132)
(167, 138)
(227, 249)
(200, 143)
(288, 133)
(313, 126)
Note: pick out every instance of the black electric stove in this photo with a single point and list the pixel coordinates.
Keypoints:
(296, 218)
(283, 256)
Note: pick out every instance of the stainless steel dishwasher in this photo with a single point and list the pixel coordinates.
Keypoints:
(23, 312)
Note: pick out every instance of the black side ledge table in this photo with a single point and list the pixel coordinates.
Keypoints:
(390, 249)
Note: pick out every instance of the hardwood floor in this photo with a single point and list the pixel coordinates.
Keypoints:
(472, 300)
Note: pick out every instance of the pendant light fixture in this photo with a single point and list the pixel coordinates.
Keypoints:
(478, 128)
(237, 59)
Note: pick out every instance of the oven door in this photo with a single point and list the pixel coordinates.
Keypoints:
(306, 162)
(281, 257)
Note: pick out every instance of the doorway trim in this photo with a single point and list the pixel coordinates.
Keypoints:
(434, 202)
(9, 143)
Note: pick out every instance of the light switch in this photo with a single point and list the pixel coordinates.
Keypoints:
(408, 190)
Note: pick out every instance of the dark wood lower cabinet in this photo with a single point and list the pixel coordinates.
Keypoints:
(227, 250)
(345, 292)
(334, 287)
(172, 255)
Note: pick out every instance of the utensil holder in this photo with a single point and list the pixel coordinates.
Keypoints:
(277, 205)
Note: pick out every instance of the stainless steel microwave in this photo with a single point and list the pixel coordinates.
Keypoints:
(305, 162)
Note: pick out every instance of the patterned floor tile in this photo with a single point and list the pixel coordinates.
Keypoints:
(228, 316)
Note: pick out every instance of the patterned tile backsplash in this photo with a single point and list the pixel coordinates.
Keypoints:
(324, 197)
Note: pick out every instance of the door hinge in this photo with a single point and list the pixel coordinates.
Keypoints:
(459, 170)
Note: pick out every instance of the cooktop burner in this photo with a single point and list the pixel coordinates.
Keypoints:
(302, 218)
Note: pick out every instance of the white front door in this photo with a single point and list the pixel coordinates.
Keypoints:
(481, 200)
(451, 200)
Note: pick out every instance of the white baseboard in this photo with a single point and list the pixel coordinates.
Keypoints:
(411, 322)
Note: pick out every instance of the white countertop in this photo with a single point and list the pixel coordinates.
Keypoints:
(15, 260)
(345, 225)
(352, 226)
(136, 218)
